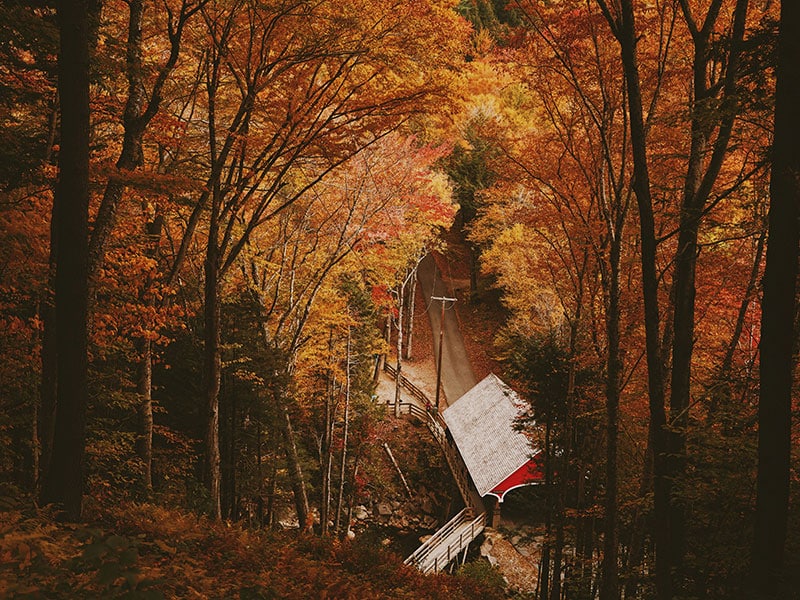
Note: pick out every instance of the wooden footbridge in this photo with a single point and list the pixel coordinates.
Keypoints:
(454, 538)
(450, 542)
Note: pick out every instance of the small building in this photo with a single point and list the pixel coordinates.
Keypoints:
(499, 458)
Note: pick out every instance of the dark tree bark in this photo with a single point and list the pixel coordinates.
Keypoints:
(140, 108)
(623, 26)
(346, 418)
(565, 481)
(144, 391)
(609, 589)
(212, 372)
(698, 185)
(625, 30)
(63, 483)
(778, 314)
(144, 375)
(295, 471)
(636, 547)
(544, 564)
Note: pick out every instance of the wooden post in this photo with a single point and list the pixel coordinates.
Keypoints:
(441, 299)
(495, 512)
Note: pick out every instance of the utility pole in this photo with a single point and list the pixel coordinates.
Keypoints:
(441, 299)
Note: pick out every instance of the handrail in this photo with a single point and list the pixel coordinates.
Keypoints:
(443, 556)
(436, 425)
(428, 544)
(454, 549)
(404, 381)
(437, 428)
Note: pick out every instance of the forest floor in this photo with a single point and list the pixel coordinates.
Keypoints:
(127, 549)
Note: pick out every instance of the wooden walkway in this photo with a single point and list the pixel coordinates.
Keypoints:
(454, 538)
(448, 543)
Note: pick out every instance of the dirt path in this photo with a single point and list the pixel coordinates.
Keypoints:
(457, 375)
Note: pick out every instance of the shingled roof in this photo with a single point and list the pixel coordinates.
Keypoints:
(482, 425)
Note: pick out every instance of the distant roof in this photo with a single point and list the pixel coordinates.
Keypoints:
(482, 425)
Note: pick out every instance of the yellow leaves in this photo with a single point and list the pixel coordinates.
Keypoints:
(526, 273)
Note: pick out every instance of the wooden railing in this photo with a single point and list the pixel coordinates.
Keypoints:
(443, 546)
(446, 544)
(412, 389)
(425, 549)
(437, 427)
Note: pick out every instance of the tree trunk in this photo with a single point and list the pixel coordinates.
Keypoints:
(144, 379)
(343, 465)
(609, 589)
(351, 496)
(474, 266)
(564, 475)
(636, 547)
(131, 155)
(295, 471)
(721, 390)
(272, 489)
(326, 453)
(655, 378)
(144, 387)
(259, 476)
(233, 500)
(680, 388)
(698, 184)
(398, 376)
(212, 371)
(227, 446)
(544, 567)
(411, 305)
(777, 317)
(63, 483)
(140, 108)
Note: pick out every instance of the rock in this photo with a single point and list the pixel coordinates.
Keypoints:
(516, 540)
(486, 546)
(427, 505)
(383, 509)
(396, 505)
(492, 560)
(524, 551)
(351, 535)
(397, 521)
(360, 512)
(429, 522)
(424, 538)
(288, 523)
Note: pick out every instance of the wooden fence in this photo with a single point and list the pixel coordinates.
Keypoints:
(412, 389)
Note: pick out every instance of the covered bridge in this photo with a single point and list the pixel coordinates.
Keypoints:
(499, 458)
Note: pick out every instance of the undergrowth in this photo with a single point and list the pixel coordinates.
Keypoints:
(144, 551)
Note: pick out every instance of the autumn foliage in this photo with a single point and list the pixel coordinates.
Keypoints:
(263, 180)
